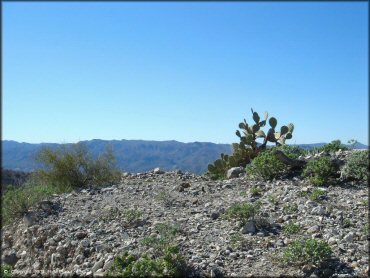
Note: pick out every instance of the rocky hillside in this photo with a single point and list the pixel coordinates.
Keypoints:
(81, 232)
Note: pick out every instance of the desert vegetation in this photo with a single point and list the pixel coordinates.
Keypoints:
(65, 169)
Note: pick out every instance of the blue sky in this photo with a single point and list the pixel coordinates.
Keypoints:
(183, 71)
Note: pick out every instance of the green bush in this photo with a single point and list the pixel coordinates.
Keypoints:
(255, 191)
(273, 199)
(292, 151)
(165, 262)
(132, 216)
(72, 165)
(303, 251)
(242, 211)
(266, 166)
(347, 223)
(165, 198)
(319, 170)
(357, 166)
(366, 229)
(290, 208)
(334, 146)
(317, 194)
(171, 264)
(291, 228)
(16, 201)
(166, 235)
(6, 271)
(236, 239)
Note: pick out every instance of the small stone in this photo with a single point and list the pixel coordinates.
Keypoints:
(97, 265)
(185, 185)
(249, 227)
(158, 171)
(234, 255)
(219, 262)
(80, 235)
(36, 265)
(215, 273)
(108, 265)
(319, 210)
(348, 237)
(46, 206)
(85, 243)
(30, 218)
(313, 229)
(214, 215)
(79, 259)
(10, 259)
(327, 272)
(279, 243)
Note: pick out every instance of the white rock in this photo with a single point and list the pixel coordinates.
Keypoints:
(319, 210)
(234, 172)
(348, 237)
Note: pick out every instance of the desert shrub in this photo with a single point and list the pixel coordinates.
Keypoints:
(366, 229)
(317, 194)
(6, 270)
(16, 201)
(132, 216)
(165, 262)
(304, 251)
(236, 239)
(319, 170)
(291, 228)
(72, 165)
(357, 166)
(165, 198)
(166, 234)
(243, 194)
(255, 191)
(273, 199)
(292, 151)
(333, 146)
(347, 223)
(171, 264)
(242, 211)
(266, 166)
(290, 208)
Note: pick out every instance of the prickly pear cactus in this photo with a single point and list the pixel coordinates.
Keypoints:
(251, 133)
(247, 148)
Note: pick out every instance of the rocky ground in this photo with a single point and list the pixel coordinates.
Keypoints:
(81, 232)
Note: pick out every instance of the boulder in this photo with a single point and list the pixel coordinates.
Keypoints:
(234, 172)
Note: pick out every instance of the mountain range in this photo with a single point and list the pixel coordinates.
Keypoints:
(133, 155)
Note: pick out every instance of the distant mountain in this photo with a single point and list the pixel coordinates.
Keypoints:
(358, 146)
(133, 155)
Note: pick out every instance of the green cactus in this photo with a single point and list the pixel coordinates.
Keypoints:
(247, 148)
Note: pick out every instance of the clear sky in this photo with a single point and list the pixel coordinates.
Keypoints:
(183, 71)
